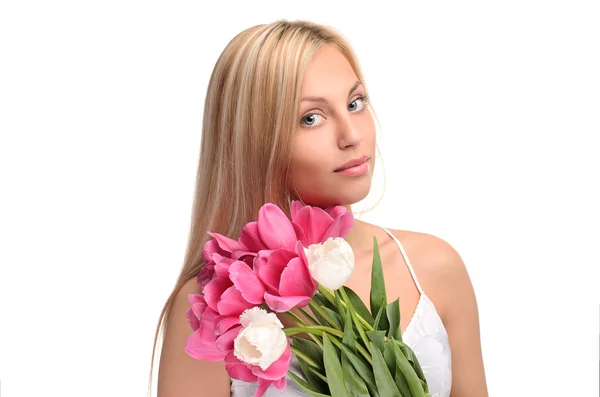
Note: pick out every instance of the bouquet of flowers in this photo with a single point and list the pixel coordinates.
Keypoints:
(297, 268)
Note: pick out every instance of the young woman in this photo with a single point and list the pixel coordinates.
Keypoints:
(287, 117)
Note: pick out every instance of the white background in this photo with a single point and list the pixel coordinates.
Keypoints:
(490, 116)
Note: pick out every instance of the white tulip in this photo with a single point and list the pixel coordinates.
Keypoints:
(331, 263)
(261, 341)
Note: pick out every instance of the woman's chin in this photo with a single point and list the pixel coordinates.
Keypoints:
(346, 196)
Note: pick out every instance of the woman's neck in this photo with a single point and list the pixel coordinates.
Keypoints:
(357, 236)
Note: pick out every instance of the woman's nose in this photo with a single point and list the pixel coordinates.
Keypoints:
(348, 133)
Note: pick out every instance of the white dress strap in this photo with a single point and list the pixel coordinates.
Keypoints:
(410, 268)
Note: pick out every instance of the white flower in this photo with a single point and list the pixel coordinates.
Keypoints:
(331, 263)
(261, 341)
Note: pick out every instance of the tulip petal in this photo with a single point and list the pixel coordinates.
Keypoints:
(206, 273)
(281, 304)
(224, 342)
(198, 309)
(214, 289)
(263, 385)
(296, 280)
(195, 348)
(238, 370)
(225, 243)
(222, 264)
(280, 384)
(336, 211)
(275, 229)
(192, 319)
(246, 281)
(210, 248)
(277, 370)
(225, 322)
(270, 272)
(194, 298)
(300, 235)
(295, 206)
(230, 358)
(340, 227)
(232, 303)
(250, 238)
(315, 222)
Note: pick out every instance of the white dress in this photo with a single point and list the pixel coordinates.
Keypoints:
(425, 334)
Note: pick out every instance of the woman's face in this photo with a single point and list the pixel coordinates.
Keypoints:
(335, 127)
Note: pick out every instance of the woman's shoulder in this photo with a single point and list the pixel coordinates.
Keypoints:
(438, 266)
(429, 251)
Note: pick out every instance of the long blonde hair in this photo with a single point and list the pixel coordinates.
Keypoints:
(250, 116)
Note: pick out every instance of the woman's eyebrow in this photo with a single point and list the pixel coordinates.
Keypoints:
(321, 99)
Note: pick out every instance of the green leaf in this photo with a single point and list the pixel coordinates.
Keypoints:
(334, 315)
(305, 385)
(314, 378)
(377, 323)
(358, 305)
(338, 301)
(322, 316)
(378, 338)
(383, 378)
(413, 381)
(378, 298)
(310, 348)
(349, 339)
(323, 301)
(365, 371)
(320, 376)
(389, 355)
(393, 316)
(353, 381)
(401, 381)
(333, 368)
(412, 358)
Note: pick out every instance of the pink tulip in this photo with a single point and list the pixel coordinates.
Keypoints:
(286, 277)
(315, 225)
(233, 288)
(274, 375)
(273, 230)
(206, 342)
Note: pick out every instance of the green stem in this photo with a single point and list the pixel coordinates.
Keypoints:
(304, 357)
(295, 317)
(310, 318)
(316, 339)
(315, 308)
(313, 329)
(328, 294)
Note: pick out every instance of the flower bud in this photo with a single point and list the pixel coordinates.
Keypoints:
(261, 341)
(331, 263)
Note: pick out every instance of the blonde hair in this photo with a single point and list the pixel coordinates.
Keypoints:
(250, 116)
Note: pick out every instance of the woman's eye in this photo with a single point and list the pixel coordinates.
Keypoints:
(356, 104)
(310, 120)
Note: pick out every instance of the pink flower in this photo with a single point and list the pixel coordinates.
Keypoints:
(286, 277)
(273, 230)
(233, 288)
(310, 225)
(274, 375)
(261, 351)
(314, 225)
(213, 334)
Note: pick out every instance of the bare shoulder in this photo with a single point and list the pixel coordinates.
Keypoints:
(439, 268)
(432, 255)
(444, 278)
